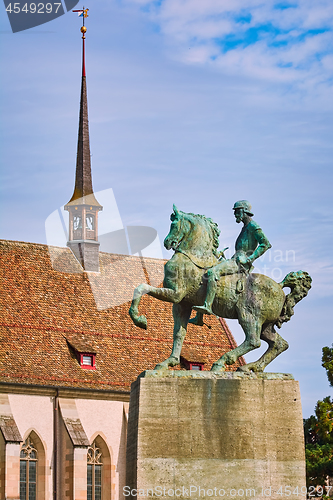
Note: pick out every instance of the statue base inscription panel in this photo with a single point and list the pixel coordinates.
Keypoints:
(218, 437)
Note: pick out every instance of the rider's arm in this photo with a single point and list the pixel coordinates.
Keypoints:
(263, 245)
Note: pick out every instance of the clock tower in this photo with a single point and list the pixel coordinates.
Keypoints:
(83, 207)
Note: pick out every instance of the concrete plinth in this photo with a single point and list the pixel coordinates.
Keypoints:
(204, 435)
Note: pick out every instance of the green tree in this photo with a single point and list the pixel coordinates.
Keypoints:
(327, 360)
(318, 430)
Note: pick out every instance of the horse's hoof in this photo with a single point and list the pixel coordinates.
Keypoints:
(250, 368)
(141, 322)
(161, 366)
(217, 368)
(243, 369)
(172, 361)
(203, 310)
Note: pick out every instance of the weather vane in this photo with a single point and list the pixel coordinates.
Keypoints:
(83, 13)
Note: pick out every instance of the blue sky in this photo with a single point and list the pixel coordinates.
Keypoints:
(194, 103)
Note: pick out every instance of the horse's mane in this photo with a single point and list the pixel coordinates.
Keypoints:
(212, 227)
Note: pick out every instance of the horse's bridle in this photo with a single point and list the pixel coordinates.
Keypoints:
(179, 242)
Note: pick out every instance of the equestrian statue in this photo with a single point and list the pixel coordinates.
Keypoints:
(199, 277)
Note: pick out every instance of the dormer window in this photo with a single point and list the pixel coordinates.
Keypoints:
(192, 362)
(84, 352)
(194, 366)
(88, 361)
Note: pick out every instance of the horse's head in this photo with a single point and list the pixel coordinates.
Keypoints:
(195, 234)
(180, 226)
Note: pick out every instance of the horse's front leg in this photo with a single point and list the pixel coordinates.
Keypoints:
(140, 321)
(181, 315)
(165, 294)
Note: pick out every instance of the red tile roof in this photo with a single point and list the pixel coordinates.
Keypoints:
(49, 304)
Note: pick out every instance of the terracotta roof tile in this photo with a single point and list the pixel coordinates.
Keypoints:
(43, 307)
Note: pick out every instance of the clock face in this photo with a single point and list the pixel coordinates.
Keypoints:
(90, 222)
(77, 222)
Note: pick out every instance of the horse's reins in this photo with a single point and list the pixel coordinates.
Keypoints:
(197, 265)
(241, 268)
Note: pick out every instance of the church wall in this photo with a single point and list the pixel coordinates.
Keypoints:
(80, 474)
(65, 463)
(108, 420)
(35, 413)
(2, 465)
(12, 471)
(103, 421)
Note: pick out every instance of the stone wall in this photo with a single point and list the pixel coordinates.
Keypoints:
(223, 433)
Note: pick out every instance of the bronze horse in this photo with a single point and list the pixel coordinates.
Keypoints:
(257, 301)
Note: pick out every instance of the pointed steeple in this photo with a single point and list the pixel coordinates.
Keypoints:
(83, 189)
(83, 207)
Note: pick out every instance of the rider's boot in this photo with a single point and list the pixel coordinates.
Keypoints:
(211, 291)
(197, 320)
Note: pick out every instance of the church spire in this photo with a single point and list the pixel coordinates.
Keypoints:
(83, 207)
(83, 179)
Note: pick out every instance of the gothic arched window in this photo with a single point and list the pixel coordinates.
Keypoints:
(94, 473)
(28, 471)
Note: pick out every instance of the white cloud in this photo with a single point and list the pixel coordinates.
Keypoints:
(291, 45)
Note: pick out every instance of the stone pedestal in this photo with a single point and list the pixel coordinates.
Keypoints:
(199, 435)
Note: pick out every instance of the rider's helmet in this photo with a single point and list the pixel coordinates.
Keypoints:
(245, 205)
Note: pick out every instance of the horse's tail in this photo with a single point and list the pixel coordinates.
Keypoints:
(300, 283)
